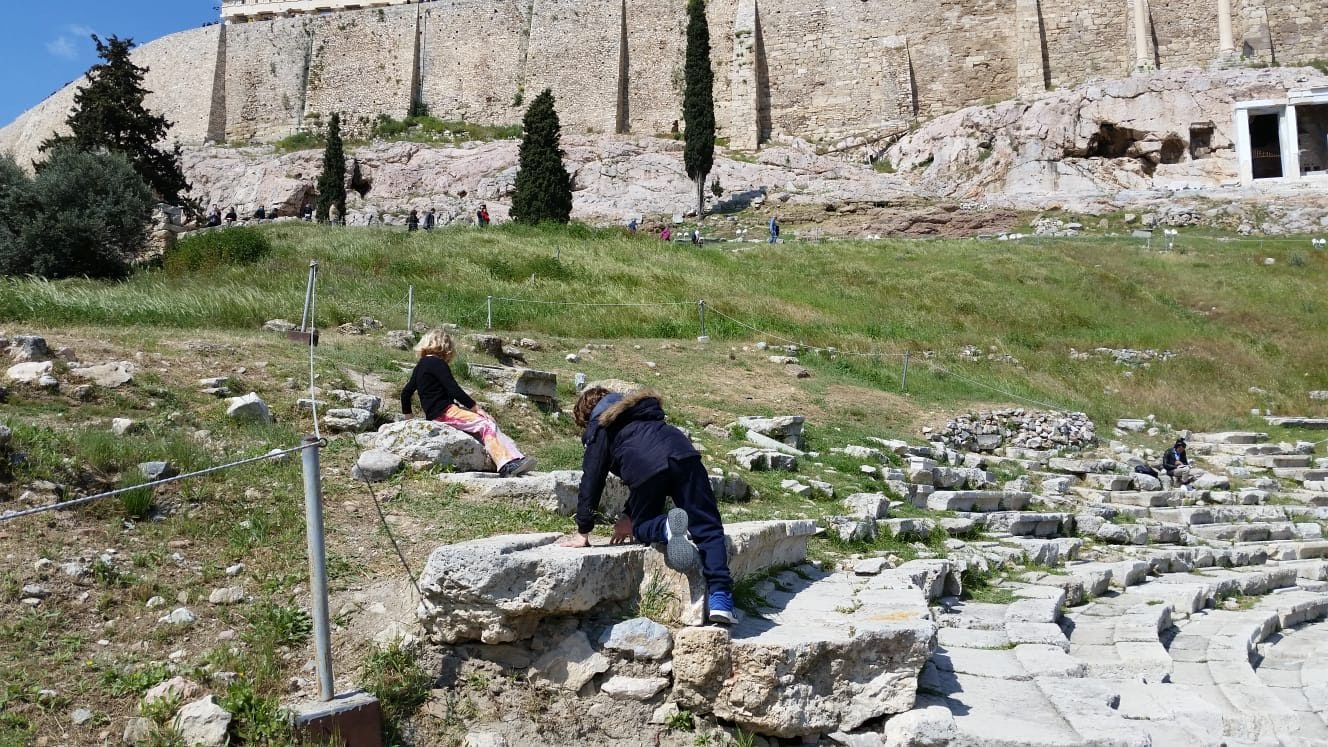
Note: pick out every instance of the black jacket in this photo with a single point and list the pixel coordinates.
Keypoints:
(1173, 459)
(628, 437)
(438, 389)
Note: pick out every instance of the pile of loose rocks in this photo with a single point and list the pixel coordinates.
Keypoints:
(1019, 428)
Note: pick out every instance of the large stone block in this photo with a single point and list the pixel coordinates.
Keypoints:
(427, 441)
(497, 590)
(552, 491)
(538, 385)
(785, 428)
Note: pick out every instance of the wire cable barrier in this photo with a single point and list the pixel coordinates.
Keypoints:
(277, 454)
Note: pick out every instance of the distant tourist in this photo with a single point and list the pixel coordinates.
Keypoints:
(629, 436)
(774, 229)
(1177, 465)
(444, 401)
(631, 226)
(213, 217)
(482, 216)
(274, 212)
(413, 220)
(430, 220)
(231, 217)
(334, 215)
(666, 234)
(696, 237)
(307, 211)
(260, 213)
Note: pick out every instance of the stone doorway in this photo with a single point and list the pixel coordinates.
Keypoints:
(1312, 134)
(1266, 146)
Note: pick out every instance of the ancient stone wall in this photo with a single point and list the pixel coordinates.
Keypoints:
(574, 49)
(1086, 41)
(471, 54)
(816, 69)
(267, 66)
(362, 64)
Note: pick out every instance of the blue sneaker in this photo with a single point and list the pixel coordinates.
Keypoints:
(721, 608)
(679, 552)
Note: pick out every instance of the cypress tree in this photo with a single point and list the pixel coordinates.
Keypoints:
(698, 103)
(332, 182)
(109, 115)
(543, 186)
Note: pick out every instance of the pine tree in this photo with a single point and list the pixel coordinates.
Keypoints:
(698, 103)
(332, 182)
(109, 115)
(543, 186)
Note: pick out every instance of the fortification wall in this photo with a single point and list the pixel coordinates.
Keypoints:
(470, 57)
(266, 67)
(1085, 41)
(362, 64)
(574, 49)
(817, 69)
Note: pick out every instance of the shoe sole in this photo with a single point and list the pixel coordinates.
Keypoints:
(527, 464)
(723, 618)
(680, 554)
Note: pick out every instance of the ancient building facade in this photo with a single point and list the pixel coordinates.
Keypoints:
(822, 70)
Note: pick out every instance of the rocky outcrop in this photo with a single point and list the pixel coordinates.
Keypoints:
(424, 441)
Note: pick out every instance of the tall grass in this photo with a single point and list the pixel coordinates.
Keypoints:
(1236, 322)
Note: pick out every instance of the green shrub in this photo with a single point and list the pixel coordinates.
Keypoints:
(84, 215)
(299, 141)
(240, 245)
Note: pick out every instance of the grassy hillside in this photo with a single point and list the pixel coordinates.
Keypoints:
(1235, 322)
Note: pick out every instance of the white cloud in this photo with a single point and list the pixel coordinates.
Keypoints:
(62, 47)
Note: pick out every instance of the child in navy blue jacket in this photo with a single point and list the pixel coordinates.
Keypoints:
(628, 436)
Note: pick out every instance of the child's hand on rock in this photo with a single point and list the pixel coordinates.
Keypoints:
(622, 531)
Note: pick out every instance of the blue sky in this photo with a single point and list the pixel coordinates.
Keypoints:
(44, 44)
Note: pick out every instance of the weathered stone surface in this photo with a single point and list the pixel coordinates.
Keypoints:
(348, 420)
(833, 653)
(784, 428)
(176, 688)
(553, 491)
(109, 375)
(29, 373)
(29, 348)
(203, 723)
(496, 590)
(248, 409)
(641, 637)
(441, 445)
(152, 471)
(538, 385)
(763, 460)
(633, 688)
(377, 465)
(570, 663)
(868, 505)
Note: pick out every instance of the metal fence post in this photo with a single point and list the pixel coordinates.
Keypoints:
(313, 520)
(305, 321)
(701, 307)
(903, 380)
(489, 305)
(410, 308)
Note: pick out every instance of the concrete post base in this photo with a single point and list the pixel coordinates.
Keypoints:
(348, 720)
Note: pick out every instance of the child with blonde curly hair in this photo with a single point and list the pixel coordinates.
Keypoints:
(444, 401)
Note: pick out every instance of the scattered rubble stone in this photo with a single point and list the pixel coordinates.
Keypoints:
(1019, 428)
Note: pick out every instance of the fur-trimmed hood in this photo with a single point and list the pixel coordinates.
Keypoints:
(626, 402)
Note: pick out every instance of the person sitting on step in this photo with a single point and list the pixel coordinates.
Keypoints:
(1177, 465)
(628, 436)
(445, 402)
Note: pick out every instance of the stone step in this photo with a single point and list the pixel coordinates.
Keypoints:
(979, 501)
(1281, 461)
(1309, 424)
(828, 653)
(1027, 523)
(498, 589)
(1149, 499)
(1230, 437)
(1255, 531)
